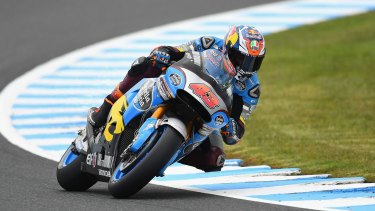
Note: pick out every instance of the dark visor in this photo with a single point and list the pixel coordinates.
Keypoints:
(244, 62)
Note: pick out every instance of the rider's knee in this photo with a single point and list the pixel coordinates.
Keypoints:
(207, 158)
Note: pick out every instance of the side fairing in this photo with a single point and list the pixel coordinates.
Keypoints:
(146, 98)
(115, 124)
(196, 87)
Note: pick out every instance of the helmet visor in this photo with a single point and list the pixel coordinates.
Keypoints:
(243, 62)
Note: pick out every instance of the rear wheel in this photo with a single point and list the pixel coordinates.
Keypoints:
(69, 174)
(145, 165)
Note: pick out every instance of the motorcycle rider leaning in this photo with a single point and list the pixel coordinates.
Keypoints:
(245, 47)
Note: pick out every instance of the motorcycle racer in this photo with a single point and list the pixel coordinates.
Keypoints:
(245, 47)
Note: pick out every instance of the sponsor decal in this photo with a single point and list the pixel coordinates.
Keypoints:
(214, 58)
(207, 42)
(135, 62)
(254, 45)
(89, 159)
(220, 160)
(205, 93)
(115, 124)
(144, 97)
(219, 120)
(106, 162)
(255, 91)
(104, 173)
(94, 160)
(191, 147)
(240, 85)
(175, 79)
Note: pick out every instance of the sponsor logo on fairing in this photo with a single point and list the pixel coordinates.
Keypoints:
(144, 96)
(104, 173)
(205, 93)
(94, 160)
(240, 85)
(219, 120)
(89, 159)
(175, 79)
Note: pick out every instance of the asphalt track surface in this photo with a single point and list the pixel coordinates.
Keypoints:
(33, 32)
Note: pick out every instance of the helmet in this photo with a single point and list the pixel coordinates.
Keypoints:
(245, 47)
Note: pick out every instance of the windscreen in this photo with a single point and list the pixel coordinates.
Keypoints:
(215, 64)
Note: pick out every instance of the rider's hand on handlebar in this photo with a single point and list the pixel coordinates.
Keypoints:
(160, 59)
(229, 132)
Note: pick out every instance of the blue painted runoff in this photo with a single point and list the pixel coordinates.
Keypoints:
(233, 162)
(234, 22)
(93, 68)
(102, 59)
(126, 50)
(70, 86)
(263, 184)
(157, 42)
(288, 14)
(50, 125)
(62, 96)
(223, 173)
(337, 6)
(49, 115)
(67, 135)
(80, 78)
(321, 195)
(229, 162)
(370, 207)
(55, 147)
(217, 33)
(55, 105)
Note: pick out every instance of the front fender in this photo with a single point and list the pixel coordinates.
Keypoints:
(177, 124)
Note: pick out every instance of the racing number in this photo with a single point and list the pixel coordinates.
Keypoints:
(204, 92)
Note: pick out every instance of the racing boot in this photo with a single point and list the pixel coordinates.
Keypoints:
(98, 116)
(208, 156)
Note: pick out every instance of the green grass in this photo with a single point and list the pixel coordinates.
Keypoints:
(317, 105)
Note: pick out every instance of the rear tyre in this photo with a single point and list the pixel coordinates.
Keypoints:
(69, 173)
(122, 185)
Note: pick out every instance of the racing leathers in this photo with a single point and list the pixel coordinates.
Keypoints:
(209, 156)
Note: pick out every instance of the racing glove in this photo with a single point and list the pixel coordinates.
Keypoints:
(230, 132)
(160, 58)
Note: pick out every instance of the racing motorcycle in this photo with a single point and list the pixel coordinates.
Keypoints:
(152, 127)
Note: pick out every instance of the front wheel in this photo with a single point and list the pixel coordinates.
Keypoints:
(146, 166)
(69, 174)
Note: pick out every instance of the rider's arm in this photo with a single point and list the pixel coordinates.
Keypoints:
(201, 44)
(175, 53)
(245, 99)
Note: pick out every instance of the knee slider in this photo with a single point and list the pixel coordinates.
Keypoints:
(138, 67)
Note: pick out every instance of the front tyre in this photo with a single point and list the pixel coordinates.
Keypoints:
(123, 185)
(69, 173)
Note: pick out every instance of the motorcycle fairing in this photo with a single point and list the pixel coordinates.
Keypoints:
(115, 124)
(146, 98)
(147, 128)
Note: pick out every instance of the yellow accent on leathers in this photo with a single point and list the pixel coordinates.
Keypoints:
(242, 120)
(116, 119)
